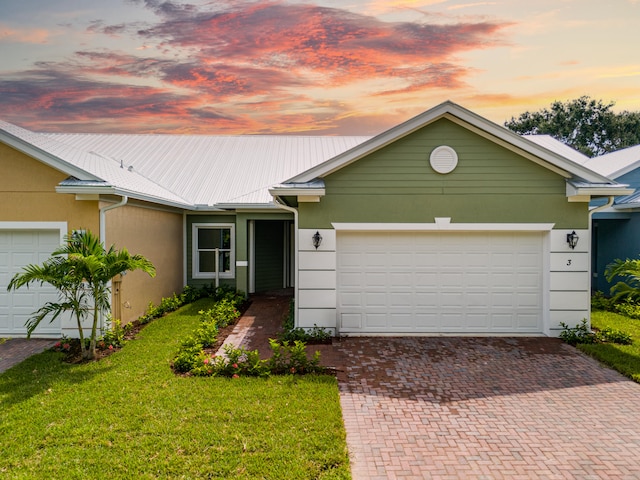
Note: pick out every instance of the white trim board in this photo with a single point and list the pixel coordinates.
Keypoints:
(444, 224)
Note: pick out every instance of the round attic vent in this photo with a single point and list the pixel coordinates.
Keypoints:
(443, 159)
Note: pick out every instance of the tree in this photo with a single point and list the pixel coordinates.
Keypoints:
(587, 125)
(81, 271)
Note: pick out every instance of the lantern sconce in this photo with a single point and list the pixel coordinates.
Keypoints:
(572, 239)
(317, 239)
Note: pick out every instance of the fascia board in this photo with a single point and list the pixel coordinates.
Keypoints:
(295, 192)
(615, 190)
(241, 206)
(45, 157)
(111, 190)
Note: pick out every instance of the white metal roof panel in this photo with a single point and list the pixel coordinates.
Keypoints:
(550, 143)
(210, 170)
(87, 165)
(616, 164)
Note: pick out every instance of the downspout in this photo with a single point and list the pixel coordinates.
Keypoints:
(103, 240)
(590, 228)
(103, 218)
(281, 205)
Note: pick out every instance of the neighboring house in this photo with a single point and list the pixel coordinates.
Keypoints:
(445, 224)
(616, 227)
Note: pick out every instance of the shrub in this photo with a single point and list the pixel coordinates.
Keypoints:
(613, 335)
(578, 334)
(582, 334)
(113, 334)
(238, 361)
(628, 309)
(287, 358)
(223, 313)
(600, 302)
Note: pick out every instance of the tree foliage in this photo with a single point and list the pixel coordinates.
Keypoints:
(81, 271)
(588, 125)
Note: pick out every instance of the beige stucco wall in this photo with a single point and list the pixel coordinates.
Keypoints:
(156, 234)
(27, 189)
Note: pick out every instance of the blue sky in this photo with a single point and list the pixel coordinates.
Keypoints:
(305, 67)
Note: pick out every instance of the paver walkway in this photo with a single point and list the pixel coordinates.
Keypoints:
(15, 350)
(474, 408)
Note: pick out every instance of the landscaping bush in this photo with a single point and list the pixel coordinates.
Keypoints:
(238, 361)
(601, 302)
(628, 309)
(579, 334)
(614, 335)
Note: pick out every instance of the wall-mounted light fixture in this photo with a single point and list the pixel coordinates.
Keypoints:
(317, 239)
(572, 239)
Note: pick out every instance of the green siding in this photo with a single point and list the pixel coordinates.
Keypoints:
(491, 184)
(269, 249)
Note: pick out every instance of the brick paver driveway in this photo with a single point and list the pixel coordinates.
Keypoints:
(487, 408)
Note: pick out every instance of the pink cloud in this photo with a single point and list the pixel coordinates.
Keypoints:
(241, 67)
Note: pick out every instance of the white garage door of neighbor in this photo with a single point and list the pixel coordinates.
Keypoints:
(439, 282)
(19, 248)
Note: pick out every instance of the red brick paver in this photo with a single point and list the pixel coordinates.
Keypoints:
(486, 408)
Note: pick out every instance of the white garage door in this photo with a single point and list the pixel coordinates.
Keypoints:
(17, 249)
(460, 282)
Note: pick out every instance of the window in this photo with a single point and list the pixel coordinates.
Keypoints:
(206, 238)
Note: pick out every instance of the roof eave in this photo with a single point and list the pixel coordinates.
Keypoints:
(111, 190)
(45, 157)
(581, 190)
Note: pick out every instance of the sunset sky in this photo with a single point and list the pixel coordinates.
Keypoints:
(321, 67)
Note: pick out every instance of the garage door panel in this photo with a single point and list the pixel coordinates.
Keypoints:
(19, 248)
(375, 299)
(376, 321)
(442, 281)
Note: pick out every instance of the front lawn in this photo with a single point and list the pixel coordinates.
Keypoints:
(623, 358)
(129, 416)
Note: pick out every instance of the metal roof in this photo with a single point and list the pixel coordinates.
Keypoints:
(550, 143)
(212, 170)
(100, 171)
(616, 164)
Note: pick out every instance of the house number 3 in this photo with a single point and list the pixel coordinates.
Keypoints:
(568, 262)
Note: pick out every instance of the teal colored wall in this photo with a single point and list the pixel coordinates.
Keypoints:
(491, 184)
(615, 236)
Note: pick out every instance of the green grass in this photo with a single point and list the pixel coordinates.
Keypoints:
(623, 358)
(129, 417)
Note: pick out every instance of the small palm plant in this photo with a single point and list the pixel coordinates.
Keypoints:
(81, 271)
(629, 269)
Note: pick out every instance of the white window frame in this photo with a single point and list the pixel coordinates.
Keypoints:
(195, 263)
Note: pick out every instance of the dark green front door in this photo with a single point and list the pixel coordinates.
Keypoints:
(270, 245)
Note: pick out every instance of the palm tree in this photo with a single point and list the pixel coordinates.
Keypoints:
(81, 271)
(630, 269)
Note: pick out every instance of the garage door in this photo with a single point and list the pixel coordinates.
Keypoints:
(459, 282)
(17, 249)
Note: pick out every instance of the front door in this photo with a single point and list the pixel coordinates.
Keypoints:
(272, 255)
